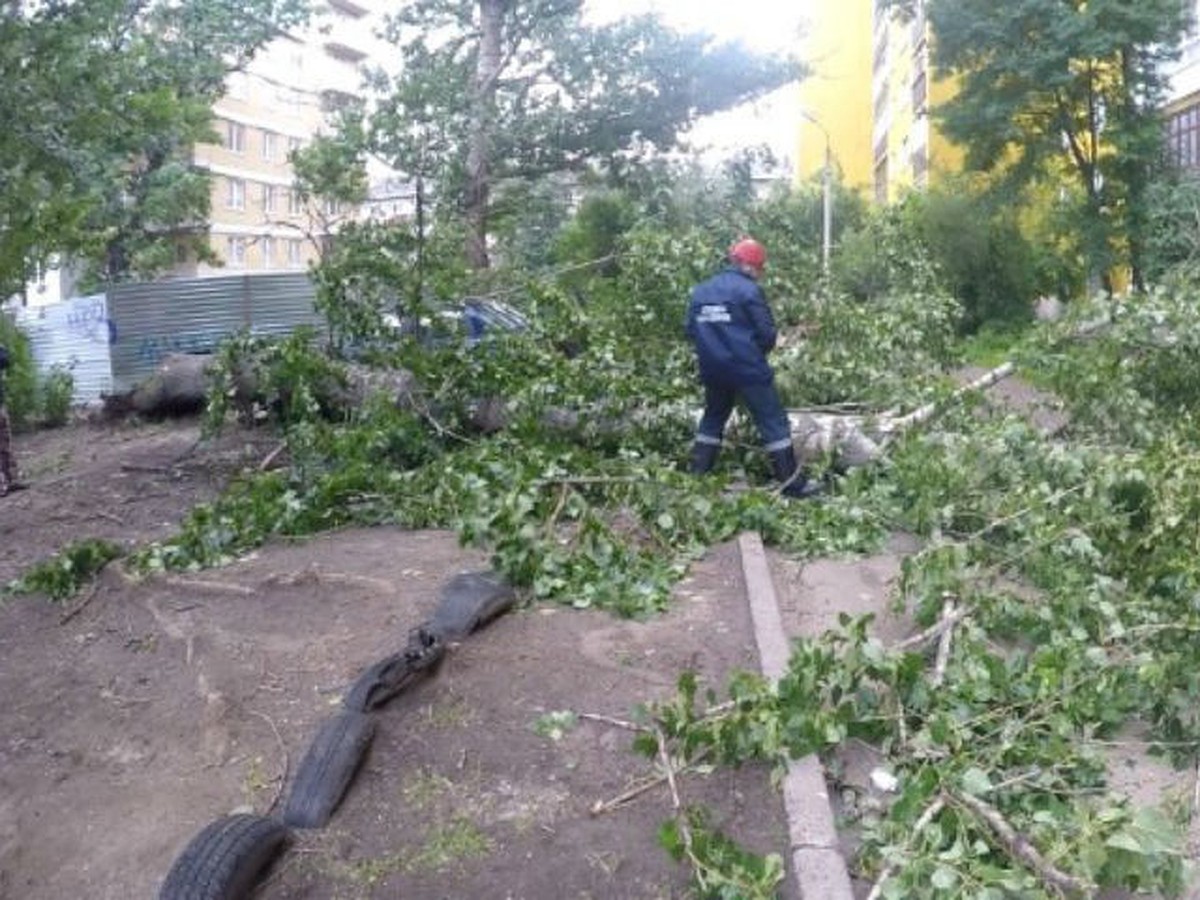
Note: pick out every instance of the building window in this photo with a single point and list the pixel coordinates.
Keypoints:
(920, 166)
(332, 206)
(881, 102)
(293, 252)
(1183, 138)
(295, 207)
(268, 252)
(920, 93)
(918, 23)
(293, 145)
(236, 198)
(235, 137)
(881, 181)
(235, 252)
(268, 198)
(268, 146)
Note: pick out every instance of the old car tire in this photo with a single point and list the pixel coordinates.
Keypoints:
(389, 676)
(332, 760)
(470, 601)
(225, 860)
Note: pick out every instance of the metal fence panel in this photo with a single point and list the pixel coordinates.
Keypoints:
(75, 335)
(193, 316)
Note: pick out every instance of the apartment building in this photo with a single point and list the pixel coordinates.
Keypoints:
(907, 151)
(868, 99)
(835, 98)
(1182, 111)
(280, 102)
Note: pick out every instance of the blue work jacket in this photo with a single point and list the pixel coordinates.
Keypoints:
(732, 329)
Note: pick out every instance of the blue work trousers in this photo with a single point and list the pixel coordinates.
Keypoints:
(762, 400)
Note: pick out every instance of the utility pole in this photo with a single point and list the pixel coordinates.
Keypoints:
(826, 197)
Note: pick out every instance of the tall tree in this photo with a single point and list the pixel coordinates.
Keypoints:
(494, 90)
(102, 104)
(1080, 82)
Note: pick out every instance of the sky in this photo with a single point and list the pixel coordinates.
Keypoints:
(765, 25)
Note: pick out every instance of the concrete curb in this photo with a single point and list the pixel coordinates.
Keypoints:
(816, 854)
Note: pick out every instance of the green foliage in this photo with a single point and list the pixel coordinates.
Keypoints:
(955, 239)
(881, 353)
(1173, 237)
(721, 868)
(885, 254)
(62, 575)
(103, 102)
(595, 232)
(461, 116)
(1033, 74)
(288, 378)
(981, 256)
(1077, 567)
(57, 390)
(20, 379)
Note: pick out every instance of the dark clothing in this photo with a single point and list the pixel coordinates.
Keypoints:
(732, 328)
(8, 470)
(762, 400)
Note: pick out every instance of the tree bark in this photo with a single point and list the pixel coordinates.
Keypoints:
(483, 106)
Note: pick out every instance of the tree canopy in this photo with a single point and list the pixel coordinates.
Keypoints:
(1047, 86)
(490, 91)
(102, 103)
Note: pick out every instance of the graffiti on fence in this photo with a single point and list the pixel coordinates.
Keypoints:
(88, 319)
(154, 347)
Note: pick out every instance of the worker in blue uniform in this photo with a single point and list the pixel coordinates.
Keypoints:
(732, 329)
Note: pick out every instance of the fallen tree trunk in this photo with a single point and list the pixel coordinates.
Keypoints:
(855, 439)
(180, 386)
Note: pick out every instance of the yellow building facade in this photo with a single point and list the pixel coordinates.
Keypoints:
(835, 98)
(872, 87)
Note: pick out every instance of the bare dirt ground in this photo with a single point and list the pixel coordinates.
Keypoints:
(167, 703)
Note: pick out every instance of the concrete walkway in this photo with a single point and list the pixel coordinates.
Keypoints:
(815, 850)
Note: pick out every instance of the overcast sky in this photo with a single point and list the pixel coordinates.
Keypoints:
(767, 25)
(763, 24)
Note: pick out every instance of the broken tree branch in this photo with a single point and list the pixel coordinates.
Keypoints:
(935, 630)
(943, 652)
(1022, 848)
(931, 811)
(283, 774)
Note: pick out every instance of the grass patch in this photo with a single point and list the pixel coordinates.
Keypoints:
(422, 789)
(991, 346)
(451, 844)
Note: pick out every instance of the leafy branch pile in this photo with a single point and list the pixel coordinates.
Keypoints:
(580, 497)
(1061, 582)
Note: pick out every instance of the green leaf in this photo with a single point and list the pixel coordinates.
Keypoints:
(976, 782)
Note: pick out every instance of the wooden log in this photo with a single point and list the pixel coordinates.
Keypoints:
(856, 439)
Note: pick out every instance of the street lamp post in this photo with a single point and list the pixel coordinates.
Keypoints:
(826, 197)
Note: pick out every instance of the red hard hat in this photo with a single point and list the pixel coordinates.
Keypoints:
(748, 252)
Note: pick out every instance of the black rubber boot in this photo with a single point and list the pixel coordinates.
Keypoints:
(795, 485)
(704, 457)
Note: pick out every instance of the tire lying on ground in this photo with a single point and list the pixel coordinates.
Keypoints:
(385, 679)
(332, 760)
(469, 602)
(225, 860)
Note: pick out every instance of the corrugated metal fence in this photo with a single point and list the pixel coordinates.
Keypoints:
(110, 342)
(75, 335)
(192, 316)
